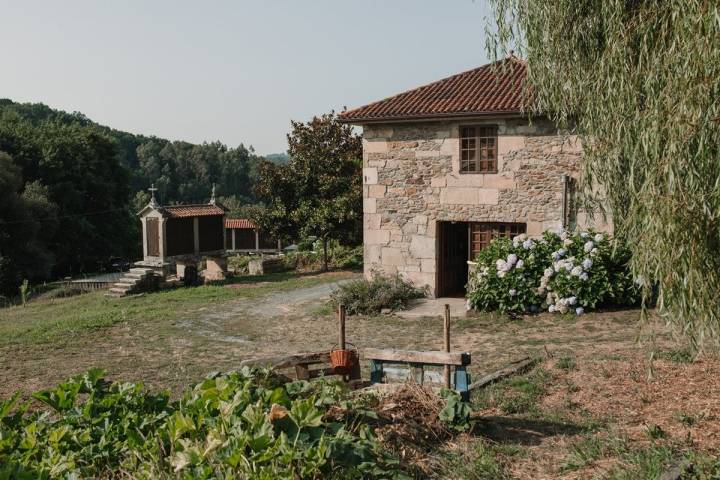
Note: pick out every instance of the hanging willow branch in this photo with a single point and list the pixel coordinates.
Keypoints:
(640, 82)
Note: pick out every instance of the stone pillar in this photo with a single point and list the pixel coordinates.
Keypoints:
(196, 233)
(163, 239)
(279, 245)
(233, 238)
(144, 238)
(257, 240)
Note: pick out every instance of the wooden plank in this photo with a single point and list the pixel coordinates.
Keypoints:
(446, 331)
(411, 356)
(418, 373)
(289, 360)
(302, 372)
(508, 370)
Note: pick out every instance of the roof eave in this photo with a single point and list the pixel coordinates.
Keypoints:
(434, 117)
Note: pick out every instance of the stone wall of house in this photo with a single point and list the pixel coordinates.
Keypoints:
(412, 181)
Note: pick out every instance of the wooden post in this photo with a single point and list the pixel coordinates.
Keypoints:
(446, 329)
(341, 318)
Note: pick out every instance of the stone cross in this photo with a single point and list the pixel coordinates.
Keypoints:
(152, 191)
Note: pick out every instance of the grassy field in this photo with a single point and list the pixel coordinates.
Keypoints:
(595, 407)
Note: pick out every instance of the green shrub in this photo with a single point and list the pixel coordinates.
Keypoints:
(239, 263)
(368, 297)
(246, 424)
(339, 257)
(561, 272)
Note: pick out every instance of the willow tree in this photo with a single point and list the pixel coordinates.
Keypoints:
(639, 81)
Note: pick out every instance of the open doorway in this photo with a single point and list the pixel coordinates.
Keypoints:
(452, 259)
(460, 242)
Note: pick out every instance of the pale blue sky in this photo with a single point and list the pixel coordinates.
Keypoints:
(234, 71)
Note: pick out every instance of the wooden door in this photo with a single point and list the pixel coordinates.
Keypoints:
(452, 255)
(152, 227)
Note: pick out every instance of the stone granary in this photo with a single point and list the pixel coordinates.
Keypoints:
(176, 237)
(453, 164)
(241, 235)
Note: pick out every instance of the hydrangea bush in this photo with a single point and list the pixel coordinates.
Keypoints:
(561, 272)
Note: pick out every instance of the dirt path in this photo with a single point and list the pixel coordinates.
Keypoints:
(213, 322)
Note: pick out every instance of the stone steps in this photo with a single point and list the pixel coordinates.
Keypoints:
(129, 282)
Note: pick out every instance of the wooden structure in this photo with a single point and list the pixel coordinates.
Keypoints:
(300, 364)
(180, 234)
(242, 235)
(417, 361)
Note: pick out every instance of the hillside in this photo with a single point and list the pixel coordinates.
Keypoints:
(70, 187)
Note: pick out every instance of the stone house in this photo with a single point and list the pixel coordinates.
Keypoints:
(450, 165)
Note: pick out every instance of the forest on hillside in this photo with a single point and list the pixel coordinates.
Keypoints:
(69, 188)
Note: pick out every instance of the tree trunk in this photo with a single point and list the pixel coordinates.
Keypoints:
(325, 254)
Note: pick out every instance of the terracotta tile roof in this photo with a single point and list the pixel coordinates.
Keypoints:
(495, 88)
(238, 223)
(204, 210)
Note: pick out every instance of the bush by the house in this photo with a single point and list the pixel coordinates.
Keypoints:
(246, 424)
(368, 297)
(560, 272)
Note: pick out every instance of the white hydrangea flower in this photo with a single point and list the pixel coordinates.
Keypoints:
(551, 308)
(576, 271)
(528, 244)
(587, 264)
(548, 272)
(567, 242)
(500, 264)
(584, 234)
(594, 251)
(512, 259)
(571, 300)
(501, 273)
(512, 292)
(599, 238)
(579, 311)
(588, 246)
(562, 252)
(583, 276)
(519, 264)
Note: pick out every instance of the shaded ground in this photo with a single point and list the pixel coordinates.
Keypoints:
(586, 412)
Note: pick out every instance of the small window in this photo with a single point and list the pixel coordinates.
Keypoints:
(478, 149)
(481, 234)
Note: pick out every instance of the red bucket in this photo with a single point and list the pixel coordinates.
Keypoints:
(343, 360)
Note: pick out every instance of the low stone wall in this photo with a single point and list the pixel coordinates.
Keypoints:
(265, 265)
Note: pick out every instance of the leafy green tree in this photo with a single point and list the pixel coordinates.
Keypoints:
(319, 192)
(79, 168)
(640, 81)
(27, 223)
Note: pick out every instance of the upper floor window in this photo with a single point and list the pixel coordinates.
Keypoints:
(478, 149)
